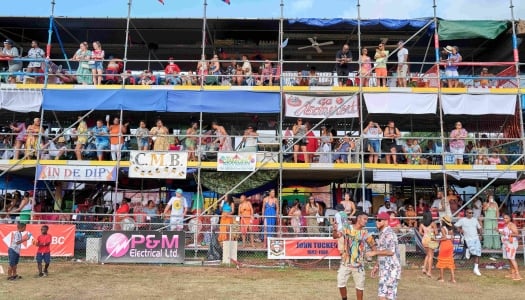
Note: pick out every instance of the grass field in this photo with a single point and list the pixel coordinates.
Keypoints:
(70, 280)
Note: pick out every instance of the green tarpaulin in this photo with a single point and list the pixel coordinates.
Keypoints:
(457, 30)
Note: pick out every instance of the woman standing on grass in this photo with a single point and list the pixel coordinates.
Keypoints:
(446, 250)
(428, 230)
(509, 238)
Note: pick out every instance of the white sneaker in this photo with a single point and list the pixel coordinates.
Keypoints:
(476, 271)
(467, 254)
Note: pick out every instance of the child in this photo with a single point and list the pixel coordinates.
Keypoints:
(14, 250)
(44, 251)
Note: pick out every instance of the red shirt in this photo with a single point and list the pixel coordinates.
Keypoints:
(123, 209)
(172, 69)
(44, 243)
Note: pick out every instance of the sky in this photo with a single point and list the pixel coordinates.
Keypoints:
(370, 9)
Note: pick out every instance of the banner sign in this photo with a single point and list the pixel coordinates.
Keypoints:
(62, 239)
(142, 247)
(303, 248)
(300, 106)
(236, 161)
(76, 173)
(152, 164)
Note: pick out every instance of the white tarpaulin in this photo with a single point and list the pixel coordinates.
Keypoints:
(389, 176)
(486, 104)
(21, 100)
(401, 103)
(157, 164)
(416, 174)
(300, 106)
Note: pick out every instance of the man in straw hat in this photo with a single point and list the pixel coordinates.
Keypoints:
(353, 256)
(471, 230)
(388, 264)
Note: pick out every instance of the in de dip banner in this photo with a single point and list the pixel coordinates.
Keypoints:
(62, 239)
(236, 161)
(74, 173)
(303, 248)
(301, 106)
(152, 164)
(142, 247)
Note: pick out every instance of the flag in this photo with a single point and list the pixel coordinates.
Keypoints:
(226, 1)
(162, 2)
(285, 43)
(517, 186)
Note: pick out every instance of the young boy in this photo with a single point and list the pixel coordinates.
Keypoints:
(44, 251)
(14, 250)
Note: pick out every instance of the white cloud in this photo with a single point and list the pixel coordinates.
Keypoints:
(301, 5)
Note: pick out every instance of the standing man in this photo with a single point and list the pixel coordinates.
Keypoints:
(43, 253)
(381, 58)
(402, 64)
(101, 134)
(13, 252)
(388, 263)
(179, 208)
(37, 53)
(471, 230)
(116, 137)
(353, 257)
(364, 205)
(11, 53)
(342, 67)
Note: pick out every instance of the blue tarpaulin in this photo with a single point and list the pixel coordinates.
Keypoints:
(162, 101)
(223, 102)
(387, 23)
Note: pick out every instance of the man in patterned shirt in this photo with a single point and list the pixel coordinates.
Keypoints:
(388, 264)
(353, 256)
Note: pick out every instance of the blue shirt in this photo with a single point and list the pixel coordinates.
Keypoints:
(101, 135)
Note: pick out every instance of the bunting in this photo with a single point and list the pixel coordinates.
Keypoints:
(162, 2)
(226, 1)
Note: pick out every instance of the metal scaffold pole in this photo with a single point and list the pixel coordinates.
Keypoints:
(203, 43)
(361, 116)
(280, 129)
(125, 59)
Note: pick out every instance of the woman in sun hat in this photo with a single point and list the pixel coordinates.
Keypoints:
(446, 249)
(451, 69)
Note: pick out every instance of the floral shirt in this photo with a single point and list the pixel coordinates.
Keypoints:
(389, 266)
(355, 239)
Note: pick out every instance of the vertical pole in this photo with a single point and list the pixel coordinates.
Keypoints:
(203, 45)
(441, 123)
(117, 165)
(48, 46)
(517, 62)
(361, 117)
(280, 129)
(125, 59)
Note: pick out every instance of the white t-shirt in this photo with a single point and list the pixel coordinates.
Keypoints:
(178, 204)
(373, 133)
(477, 211)
(470, 228)
(383, 208)
(401, 55)
(365, 206)
(446, 212)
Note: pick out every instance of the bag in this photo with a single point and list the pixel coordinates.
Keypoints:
(84, 65)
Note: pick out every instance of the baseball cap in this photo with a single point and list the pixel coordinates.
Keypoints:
(178, 191)
(9, 41)
(383, 216)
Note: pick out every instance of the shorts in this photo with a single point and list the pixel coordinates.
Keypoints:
(14, 257)
(381, 72)
(387, 145)
(143, 142)
(97, 65)
(375, 145)
(301, 142)
(457, 152)
(358, 274)
(101, 148)
(451, 73)
(176, 223)
(46, 257)
(402, 71)
(509, 249)
(474, 247)
(343, 72)
(387, 287)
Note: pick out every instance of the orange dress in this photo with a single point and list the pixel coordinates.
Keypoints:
(246, 213)
(446, 253)
(226, 222)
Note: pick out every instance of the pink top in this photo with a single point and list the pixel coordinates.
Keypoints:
(97, 54)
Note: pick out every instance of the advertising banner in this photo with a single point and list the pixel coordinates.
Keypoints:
(303, 248)
(62, 239)
(301, 106)
(76, 173)
(236, 161)
(153, 164)
(142, 247)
